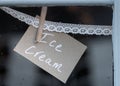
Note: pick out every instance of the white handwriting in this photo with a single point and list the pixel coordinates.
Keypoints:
(43, 58)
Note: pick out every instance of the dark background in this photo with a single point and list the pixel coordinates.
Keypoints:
(95, 67)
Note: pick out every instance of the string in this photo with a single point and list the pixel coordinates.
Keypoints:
(58, 26)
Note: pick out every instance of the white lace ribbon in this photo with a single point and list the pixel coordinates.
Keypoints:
(60, 27)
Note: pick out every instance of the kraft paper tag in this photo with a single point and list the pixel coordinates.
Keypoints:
(57, 53)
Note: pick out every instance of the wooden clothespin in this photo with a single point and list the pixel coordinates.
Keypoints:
(41, 23)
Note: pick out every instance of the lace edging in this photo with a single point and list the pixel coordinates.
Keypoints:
(60, 27)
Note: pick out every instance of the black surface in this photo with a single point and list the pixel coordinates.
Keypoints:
(94, 68)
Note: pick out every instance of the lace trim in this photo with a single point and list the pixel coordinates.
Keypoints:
(60, 27)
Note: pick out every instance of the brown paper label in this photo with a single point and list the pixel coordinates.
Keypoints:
(57, 53)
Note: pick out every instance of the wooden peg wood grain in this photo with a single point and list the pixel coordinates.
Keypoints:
(41, 23)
